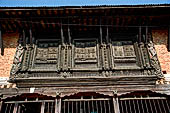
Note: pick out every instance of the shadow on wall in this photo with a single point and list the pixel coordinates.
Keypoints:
(9, 44)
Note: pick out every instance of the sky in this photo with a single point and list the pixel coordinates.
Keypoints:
(34, 3)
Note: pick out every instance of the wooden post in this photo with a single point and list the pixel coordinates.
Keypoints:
(24, 38)
(140, 34)
(69, 35)
(42, 107)
(0, 106)
(58, 105)
(107, 37)
(101, 34)
(169, 38)
(1, 42)
(30, 31)
(62, 35)
(15, 108)
(116, 105)
(146, 33)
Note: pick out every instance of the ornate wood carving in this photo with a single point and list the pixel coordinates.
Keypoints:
(46, 55)
(105, 56)
(154, 60)
(66, 57)
(123, 54)
(85, 54)
(16, 66)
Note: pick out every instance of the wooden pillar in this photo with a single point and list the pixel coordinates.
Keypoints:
(24, 38)
(1, 42)
(140, 34)
(116, 105)
(0, 106)
(58, 105)
(107, 37)
(169, 38)
(146, 35)
(42, 107)
(101, 35)
(69, 35)
(15, 108)
(30, 31)
(62, 35)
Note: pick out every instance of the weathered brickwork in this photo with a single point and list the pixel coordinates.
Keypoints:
(160, 38)
(10, 43)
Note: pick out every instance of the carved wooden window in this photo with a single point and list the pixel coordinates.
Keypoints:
(85, 54)
(123, 53)
(46, 55)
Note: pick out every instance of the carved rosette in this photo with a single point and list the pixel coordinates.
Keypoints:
(16, 66)
(154, 60)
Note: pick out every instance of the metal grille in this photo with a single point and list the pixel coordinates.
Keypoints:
(144, 105)
(87, 106)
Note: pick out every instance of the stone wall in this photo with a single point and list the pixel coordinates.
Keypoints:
(10, 43)
(160, 39)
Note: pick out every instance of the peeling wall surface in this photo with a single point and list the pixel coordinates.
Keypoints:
(160, 39)
(10, 43)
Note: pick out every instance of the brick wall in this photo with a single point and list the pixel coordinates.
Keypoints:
(10, 43)
(160, 38)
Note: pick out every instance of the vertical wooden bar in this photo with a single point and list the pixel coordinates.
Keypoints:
(116, 105)
(101, 34)
(69, 36)
(1, 42)
(42, 107)
(140, 34)
(107, 37)
(30, 31)
(146, 33)
(24, 38)
(169, 38)
(57, 105)
(15, 108)
(62, 35)
(0, 106)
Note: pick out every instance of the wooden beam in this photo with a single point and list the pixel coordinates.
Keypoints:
(107, 36)
(169, 38)
(1, 42)
(30, 31)
(69, 35)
